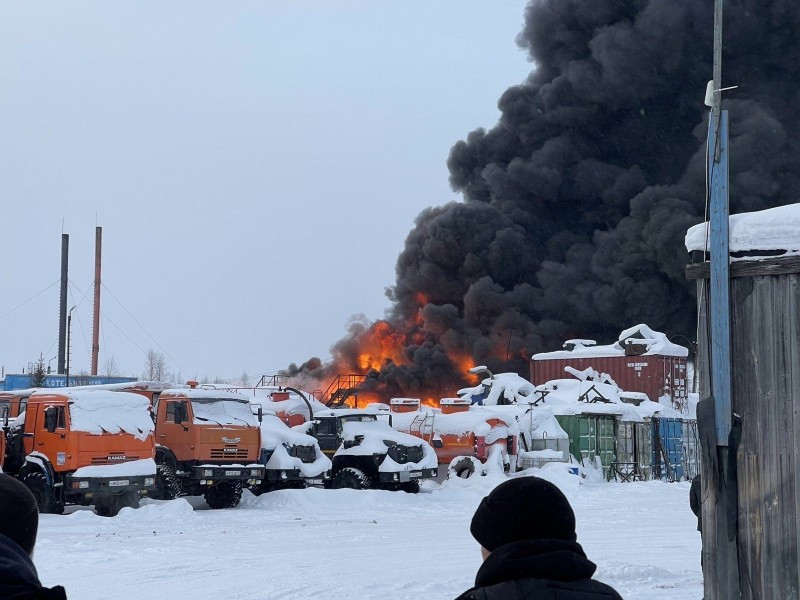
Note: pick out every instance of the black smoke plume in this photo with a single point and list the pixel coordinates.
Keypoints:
(577, 201)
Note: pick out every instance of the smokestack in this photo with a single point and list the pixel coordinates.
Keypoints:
(62, 316)
(98, 250)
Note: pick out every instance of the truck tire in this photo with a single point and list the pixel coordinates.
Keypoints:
(167, 485)
(225, 494)
(410, 487)
(464, 467)
(351, 478)
(110, 505)
(45, 496)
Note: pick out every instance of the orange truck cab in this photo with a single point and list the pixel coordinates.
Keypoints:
(15, 401)
(208, 442)
(83, 447)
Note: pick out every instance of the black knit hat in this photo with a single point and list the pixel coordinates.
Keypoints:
(19, 515)
(524, 508)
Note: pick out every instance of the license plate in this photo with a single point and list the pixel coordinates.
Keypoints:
(118, 483)
(415, 474)
(232, 473)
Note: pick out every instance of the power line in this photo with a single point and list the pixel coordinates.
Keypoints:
(142, 326)
(29, 299)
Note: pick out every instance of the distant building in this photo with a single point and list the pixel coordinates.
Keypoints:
(23, 381)
(641, 360)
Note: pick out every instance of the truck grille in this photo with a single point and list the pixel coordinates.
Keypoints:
(304, 453)
(228, 453)
(404, 454)
(111, 460)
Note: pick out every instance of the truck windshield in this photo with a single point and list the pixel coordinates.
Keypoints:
(223, 412)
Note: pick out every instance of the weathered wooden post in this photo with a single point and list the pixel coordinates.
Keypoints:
(751, 497)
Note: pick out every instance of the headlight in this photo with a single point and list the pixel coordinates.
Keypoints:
(283, 475)
(80, 485)
(435, 472)
(396, 476)
(149, 480)
(255, 473)
(208, 473)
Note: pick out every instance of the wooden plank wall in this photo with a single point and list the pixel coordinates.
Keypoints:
(766, 383)
(766, 394)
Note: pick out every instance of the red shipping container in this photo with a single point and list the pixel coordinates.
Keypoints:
(657, 375)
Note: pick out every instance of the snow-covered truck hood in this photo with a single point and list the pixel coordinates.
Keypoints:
(376, 434)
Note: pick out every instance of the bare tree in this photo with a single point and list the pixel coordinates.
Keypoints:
(244, 379)
(110, 366)
(155, 366)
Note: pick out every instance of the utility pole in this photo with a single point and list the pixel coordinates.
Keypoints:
(98, 251)
(719, 480)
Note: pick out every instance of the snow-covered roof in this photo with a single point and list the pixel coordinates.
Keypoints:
(105, 411)
(656, 342)
(776, 229)
(198, 394)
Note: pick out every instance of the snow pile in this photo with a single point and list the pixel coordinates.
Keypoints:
(102, 411)
(775, 230)
(476, 420)
(503, 388)
(589, 374)
(573, 396)
(133, 468)
(655, 342)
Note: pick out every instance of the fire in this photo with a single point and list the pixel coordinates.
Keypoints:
(400, 358)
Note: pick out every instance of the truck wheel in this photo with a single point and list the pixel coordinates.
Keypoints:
(167, 485)
(225, 494)
(46, 499)
(351, 478)
(110, 505)
(464, 467)
(410, 487)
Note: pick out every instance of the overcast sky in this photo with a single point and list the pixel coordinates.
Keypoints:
(255, 166)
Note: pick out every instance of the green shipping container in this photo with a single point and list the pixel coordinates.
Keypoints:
(590, 436)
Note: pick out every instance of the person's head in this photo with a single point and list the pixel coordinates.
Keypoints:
(523, 508)
(19, 515)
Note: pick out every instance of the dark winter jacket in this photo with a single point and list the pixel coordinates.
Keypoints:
(18, 578)
(695, 501)
(540, 569)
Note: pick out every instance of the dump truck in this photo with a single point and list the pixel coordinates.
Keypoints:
(82, 447)
(208, 443)
(366, 452)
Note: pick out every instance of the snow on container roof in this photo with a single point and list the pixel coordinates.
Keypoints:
(656, 342)
(106, 411)
(774, 229)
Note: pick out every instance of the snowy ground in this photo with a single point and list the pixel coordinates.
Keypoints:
(315, 543)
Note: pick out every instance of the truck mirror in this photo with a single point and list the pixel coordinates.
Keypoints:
(5, 416)
(260, 413)
(51, 418)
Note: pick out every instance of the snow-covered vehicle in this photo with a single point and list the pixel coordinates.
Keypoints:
(292, 459)
(208, 443)
(367, 452)
(83, 447)
(467, 439)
